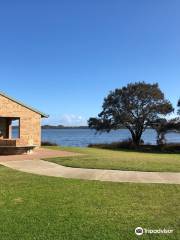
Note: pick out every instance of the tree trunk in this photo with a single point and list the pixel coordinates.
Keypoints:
(136, 136)
(161, 138)
(136, 140)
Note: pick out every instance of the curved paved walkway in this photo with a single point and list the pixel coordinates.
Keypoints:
(46, 168)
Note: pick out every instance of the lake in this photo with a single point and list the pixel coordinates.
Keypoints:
(83, 137)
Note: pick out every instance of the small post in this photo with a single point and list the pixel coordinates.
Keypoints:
(9, 129)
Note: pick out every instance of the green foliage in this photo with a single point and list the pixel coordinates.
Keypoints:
(144, 148)
(48, 143)
(133, 107)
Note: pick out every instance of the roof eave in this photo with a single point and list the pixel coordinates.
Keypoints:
(43, 115)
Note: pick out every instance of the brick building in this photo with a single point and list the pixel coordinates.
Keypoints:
(29, 124)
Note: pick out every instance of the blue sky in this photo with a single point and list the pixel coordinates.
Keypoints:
(63, 57)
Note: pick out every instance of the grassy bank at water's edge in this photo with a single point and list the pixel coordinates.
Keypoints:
(119, 160)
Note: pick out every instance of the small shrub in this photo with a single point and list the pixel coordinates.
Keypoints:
(171, 148)
(128, 145)
(47, 143)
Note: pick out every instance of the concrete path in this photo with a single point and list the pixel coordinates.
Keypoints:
(46, 168)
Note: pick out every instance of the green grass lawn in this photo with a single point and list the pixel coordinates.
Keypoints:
(121, 160)
(47, 208)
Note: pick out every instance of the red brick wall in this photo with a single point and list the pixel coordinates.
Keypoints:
(30, 122)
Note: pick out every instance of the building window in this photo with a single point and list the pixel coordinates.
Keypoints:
(15, 129)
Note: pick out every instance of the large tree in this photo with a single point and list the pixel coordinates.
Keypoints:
(134, 107)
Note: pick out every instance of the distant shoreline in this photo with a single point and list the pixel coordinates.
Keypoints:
(60, 127)
(63, 127)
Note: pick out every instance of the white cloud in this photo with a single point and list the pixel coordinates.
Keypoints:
(67, 120)
(72, 120)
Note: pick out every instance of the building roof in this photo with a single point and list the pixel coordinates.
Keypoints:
(24, 105)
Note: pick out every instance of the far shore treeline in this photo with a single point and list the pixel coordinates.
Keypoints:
(67, 127)
(60, 127)
(63, 127)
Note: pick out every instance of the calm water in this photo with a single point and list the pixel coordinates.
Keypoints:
(83, 137)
